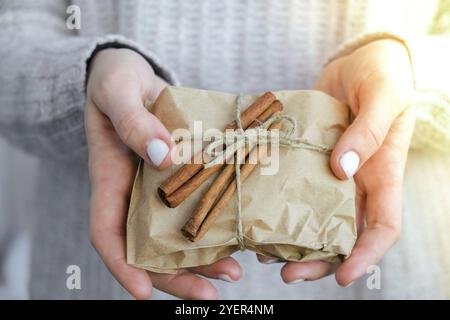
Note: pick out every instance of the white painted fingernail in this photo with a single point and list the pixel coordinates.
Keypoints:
(349, 163)
(157, 151)
(270, 261)
(296, 281)
(225, 277)
(349, 284)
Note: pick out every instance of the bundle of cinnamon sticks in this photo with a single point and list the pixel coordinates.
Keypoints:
(177, 188)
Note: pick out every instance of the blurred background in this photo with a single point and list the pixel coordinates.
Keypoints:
(427, 190)
(17, 172)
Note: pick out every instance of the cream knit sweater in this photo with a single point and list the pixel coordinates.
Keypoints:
(233, 45)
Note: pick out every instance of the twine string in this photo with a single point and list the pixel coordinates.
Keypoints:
(241, 138)
(237, 165)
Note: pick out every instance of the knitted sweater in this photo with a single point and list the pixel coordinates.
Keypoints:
(244, 46)
(235, 46)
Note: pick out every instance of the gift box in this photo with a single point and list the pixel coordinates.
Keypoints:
(301, 212)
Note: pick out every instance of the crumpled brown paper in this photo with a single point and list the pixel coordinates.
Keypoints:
(302, 213)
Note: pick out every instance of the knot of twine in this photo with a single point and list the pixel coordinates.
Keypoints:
(259, 135)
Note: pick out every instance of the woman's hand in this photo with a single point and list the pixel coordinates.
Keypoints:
(118, 127)
(376, 81)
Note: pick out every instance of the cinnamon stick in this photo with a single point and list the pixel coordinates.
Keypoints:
(201, 221)
(210, 198)
(187, 171)
(196, 181)
(221, 182)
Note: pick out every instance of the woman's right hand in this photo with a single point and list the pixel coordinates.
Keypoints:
(119, 128)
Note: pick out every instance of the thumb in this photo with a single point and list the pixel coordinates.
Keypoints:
(377, 111)
(144, 133)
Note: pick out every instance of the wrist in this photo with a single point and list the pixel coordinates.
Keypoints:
(350, 46)
(111, 49)
(395, 45)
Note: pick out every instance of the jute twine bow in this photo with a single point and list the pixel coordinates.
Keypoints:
(255, 136)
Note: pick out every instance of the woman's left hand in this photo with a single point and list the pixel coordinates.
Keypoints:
(377, 82)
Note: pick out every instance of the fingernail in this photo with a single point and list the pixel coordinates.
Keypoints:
(269, 261)
(349, 284)
(296, 281)
(349, 163)
(225, 277)
(157, 151)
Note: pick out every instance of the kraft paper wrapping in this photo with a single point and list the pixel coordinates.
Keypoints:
(302, 213)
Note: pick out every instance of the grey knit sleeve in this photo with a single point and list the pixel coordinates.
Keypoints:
(42, 77)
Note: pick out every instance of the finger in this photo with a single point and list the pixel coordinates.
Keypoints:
(294, 272)
(383, 203)
(145, 134)
(184, 285)
(329, 80)
(110, 245)
(138, 128)
(370, 247)
(153, 93)
(112, 169)
(360, 208)
(267, 260)
(226, 269)
(383, 211)
(378, 107)
(383, 206)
